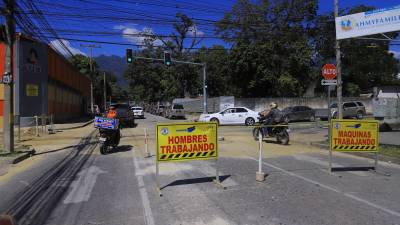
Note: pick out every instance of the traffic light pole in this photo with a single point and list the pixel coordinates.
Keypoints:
(204, 65)
(8, 116)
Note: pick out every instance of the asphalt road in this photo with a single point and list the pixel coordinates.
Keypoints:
(82, 187)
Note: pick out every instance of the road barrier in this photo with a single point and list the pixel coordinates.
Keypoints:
(177, 142)
(354, 136)
(146, 148)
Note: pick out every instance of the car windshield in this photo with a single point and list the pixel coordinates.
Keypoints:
(287, 109)
(136, 108)
(121, 107)
(161, 107)
(178, 106)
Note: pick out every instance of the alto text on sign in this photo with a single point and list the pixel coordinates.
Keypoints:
(329, 71)
(187, 141)
(354, 135)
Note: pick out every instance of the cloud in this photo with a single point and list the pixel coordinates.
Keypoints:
(57, 45)
(137, 36)
(194, 31)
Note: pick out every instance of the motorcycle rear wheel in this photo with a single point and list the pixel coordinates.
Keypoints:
(103, 148)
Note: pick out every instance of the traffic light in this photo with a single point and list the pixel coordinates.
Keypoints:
(129, 56)
(167, 58)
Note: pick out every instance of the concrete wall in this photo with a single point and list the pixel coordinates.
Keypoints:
(213, 104)
(259, 104)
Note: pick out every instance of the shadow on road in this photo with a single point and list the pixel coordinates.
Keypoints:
(346, 169)
(65, 148)
(35, 204)
(195, 181)
(121, 148)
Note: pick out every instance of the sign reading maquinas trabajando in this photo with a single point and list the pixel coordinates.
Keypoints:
(354, 135)
(187, 141)
(367, 23)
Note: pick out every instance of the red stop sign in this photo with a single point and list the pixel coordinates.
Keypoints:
(329, 71)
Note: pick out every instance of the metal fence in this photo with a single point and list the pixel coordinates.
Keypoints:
(34, 126)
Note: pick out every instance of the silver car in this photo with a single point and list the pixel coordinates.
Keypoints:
(352, 109)
(137, 112)
(175, 111)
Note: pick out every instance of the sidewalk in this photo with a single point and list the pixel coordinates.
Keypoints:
(65, 138)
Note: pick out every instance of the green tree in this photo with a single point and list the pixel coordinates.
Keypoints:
(271, 53)
(82, 64)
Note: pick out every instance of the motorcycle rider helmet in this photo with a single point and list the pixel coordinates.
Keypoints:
(112, 107)
(273, 105)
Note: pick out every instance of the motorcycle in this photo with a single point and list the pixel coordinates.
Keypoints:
(279, 131)
(110, 134)
(108, 139)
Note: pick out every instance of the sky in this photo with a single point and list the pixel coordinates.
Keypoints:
(108, 20)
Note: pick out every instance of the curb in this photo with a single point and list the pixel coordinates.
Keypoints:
(24, 156)
(80, 126)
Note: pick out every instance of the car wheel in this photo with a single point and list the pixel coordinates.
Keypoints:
(250, 121)
(215, 120)
(312, 118)
(360, 115)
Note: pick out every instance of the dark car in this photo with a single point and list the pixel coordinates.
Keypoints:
(298, 113)
(124, 114)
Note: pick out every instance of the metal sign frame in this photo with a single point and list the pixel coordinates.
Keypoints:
(376, 151)
(157, 161)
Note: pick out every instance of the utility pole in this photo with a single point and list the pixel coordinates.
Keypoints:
(105, 91)
(205, 108)
(338, 67)
(91, 72)
(8, 116)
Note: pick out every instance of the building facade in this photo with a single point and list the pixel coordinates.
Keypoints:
(45, 83)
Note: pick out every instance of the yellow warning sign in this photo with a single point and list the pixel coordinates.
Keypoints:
(187, 141)
(354, 135)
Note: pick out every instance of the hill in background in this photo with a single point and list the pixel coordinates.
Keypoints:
(114, 64)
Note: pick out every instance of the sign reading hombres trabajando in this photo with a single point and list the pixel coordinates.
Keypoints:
(354, 135)
(187, 141)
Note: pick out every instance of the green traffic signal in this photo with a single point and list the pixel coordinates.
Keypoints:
(129, 56)
(167, 58)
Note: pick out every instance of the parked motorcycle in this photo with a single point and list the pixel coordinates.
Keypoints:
(110, 134)
(279, 131)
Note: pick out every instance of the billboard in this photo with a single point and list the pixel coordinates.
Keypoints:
(368, 23)
(186, 141)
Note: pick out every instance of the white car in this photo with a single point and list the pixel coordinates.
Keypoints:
(138, 112)
(234, 115)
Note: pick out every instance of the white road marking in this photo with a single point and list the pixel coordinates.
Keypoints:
(351, 196)
(83, 187)
(148, 215)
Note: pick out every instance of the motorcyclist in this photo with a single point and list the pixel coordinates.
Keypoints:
(112, 112)
(271, 117)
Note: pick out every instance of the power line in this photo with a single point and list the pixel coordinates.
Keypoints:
(129, 44)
